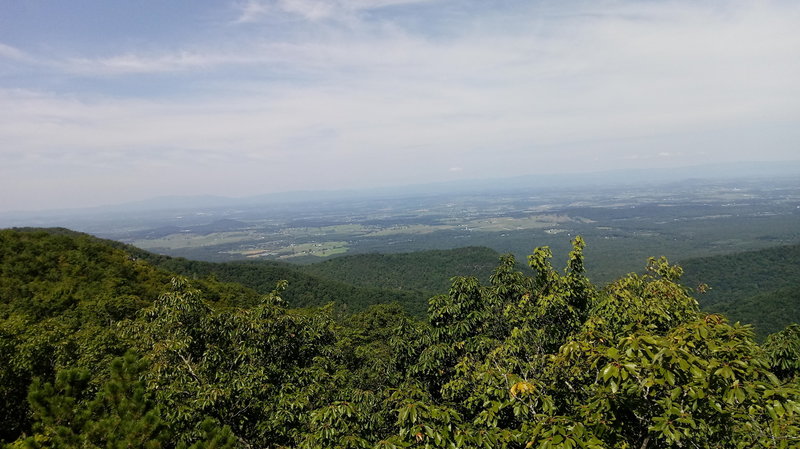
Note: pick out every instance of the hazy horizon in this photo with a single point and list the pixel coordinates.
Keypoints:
(110, 102)
(541, 183)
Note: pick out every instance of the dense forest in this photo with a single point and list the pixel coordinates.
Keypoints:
(104, 345)
(425, 271)
(756, 287)
(303, 289)
(352, 282)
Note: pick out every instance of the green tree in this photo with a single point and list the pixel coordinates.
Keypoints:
(120, 415)
(258, 371)
(783, 353)
(633, 365)
(532, 359)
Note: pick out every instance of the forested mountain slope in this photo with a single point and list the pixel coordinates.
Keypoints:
(303, 290)
(769, 312)
(354, 281)
(428, 271)
(59, 293)
(45, 272)
(50, 270)
(757, 287)
(542, 360)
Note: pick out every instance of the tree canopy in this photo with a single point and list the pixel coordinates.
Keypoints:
(537, 358)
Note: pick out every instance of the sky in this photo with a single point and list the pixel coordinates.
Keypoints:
(104, 102)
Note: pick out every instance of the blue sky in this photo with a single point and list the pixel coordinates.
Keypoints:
(109, 101)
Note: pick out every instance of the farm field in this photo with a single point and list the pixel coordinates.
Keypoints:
(623, 226)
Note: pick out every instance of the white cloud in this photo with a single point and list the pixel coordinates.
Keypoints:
(310, 9)
(252, 11)
(495, 94)
(314, 10)
(143, 64)
(13, 53)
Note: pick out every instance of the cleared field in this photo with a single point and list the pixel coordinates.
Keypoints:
(321, 249)
(189, 240)
(513, 224)
(409, 229)
(619, 225)
(318, 249)
(318, 231)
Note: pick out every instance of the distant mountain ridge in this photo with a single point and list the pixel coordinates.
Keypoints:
(620, 177)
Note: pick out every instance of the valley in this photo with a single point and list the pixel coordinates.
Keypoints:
(354, 301)
(623, 225)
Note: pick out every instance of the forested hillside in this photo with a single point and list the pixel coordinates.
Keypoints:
(60, 292)
(536, 359)
(303, 289)
(355, 281)
(44, 272)
(768, 312)
(757, 287)
(425, 271)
